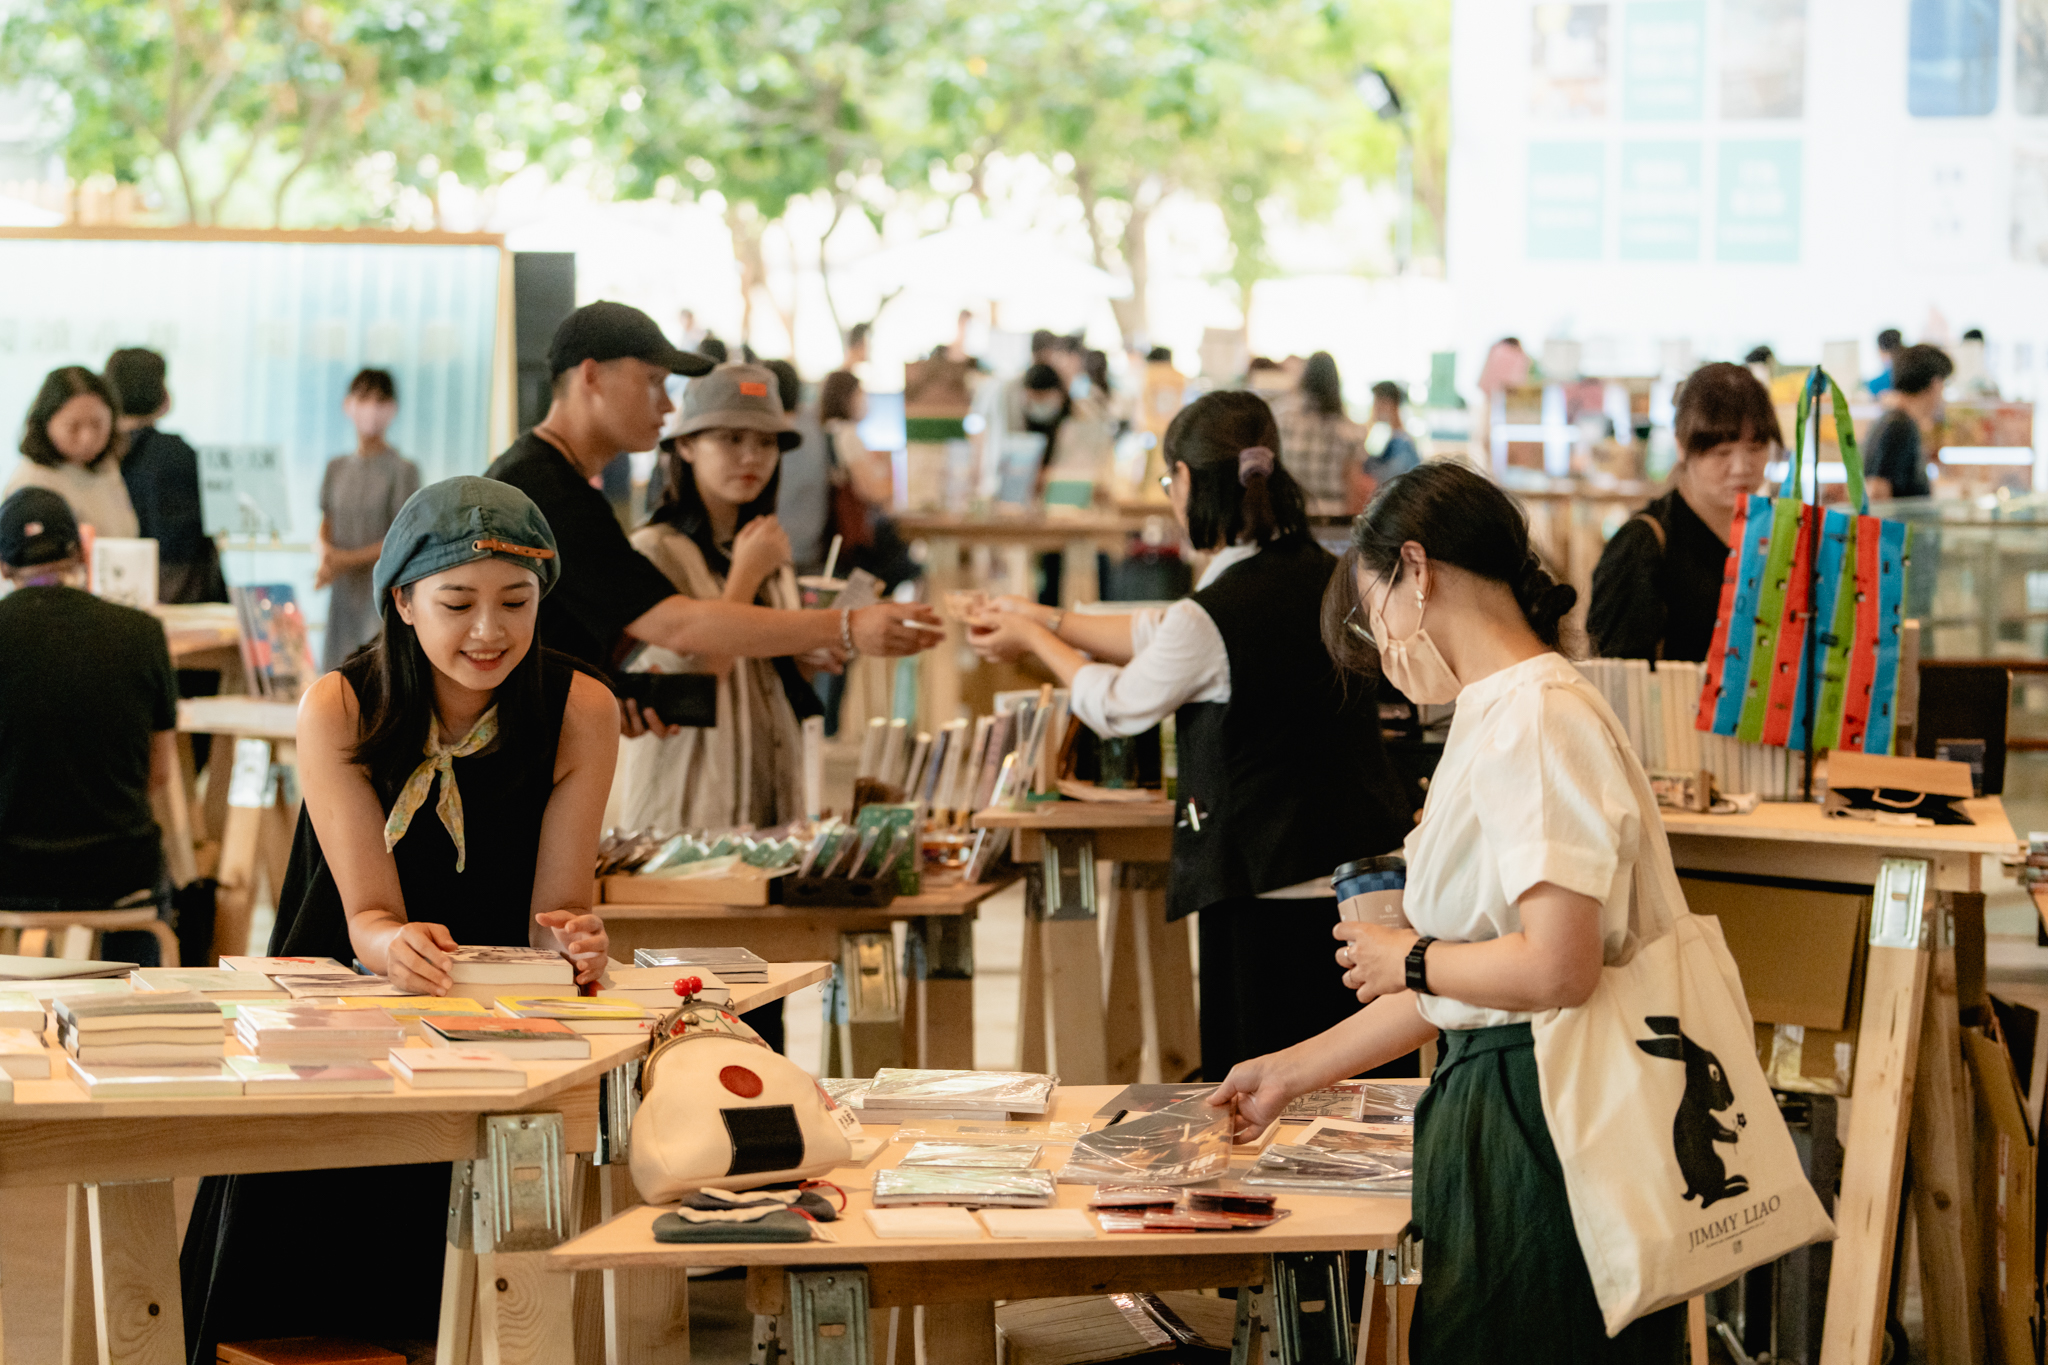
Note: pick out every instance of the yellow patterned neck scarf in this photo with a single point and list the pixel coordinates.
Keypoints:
(440, 759)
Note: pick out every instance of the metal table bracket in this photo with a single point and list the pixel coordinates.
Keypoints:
(1898, 912)
(1069, 861)
(518, 1192)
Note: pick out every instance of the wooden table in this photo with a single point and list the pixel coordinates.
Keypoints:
(122, 1303)
(202, 635)
(251, 808)
(953, 1283)
(1908, 1079)
(871, 1022)
(1097, 1034)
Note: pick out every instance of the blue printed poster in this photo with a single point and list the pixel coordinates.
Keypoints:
(1759, 201)
(1660, 203)
(1664, 60)
(1567, 200)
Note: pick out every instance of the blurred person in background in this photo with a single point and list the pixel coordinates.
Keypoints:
(856, 346)
(1397, 454)
(1657, 587)
(71, 446)
(88, 731)
(360, 495)
(1894, 448)
(1889, 344)
(161, 472)
(803, 501)
(1323, 445)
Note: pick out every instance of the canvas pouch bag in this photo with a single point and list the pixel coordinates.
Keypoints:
(1678, 1168)
(720, 1108)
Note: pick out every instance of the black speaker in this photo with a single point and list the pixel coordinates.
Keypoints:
(543, 293)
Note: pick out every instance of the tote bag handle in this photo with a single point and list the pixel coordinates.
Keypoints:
(1818, 382)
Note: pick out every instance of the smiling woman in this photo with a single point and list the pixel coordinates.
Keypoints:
(454, 771)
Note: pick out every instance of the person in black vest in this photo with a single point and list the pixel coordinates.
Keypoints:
(1282, 776)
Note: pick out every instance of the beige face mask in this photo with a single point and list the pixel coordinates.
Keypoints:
(1415, 665)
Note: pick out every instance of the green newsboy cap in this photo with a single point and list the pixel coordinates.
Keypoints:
(462, 520)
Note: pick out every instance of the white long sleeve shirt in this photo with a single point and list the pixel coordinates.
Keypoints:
(1177, 656)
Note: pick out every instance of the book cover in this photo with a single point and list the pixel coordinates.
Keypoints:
(110, 1081)
(461, 1068)
(315, 1021)
(150, 1054)
(287, 1078)
(409, 1007)
(336, 987)
(14, 968)
(136, 1009)
(22, 1054)
(287, 966)
(215, 981)
(582, 1013)
(536, 1039)
(484, 963)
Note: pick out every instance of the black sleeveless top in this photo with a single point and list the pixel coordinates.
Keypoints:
(505, 793)
(1290, 775)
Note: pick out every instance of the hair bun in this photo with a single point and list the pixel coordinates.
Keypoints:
(1544, 600)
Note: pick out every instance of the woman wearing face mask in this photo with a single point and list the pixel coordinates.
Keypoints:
(70, 446)
(1282, 777)
(1657, 587)
(1518, 892)
(455, 777)
(715, 535)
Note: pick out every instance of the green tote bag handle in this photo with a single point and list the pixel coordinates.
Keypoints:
(1820, 381)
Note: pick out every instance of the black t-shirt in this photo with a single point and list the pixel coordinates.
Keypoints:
(1646, 594)
(84, 684)
(162, 474)
(606, 584)
(1891, 451)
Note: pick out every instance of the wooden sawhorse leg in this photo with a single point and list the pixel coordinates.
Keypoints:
(500, 1303)
(122, 1304)
(1874, 1159)
(1300, 1316)
(1061, 1025)
(938, 959)
(863, 1007)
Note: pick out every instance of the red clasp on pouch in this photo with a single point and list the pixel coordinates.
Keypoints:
(689, 986)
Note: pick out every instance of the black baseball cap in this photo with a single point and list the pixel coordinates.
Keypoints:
(36, 527)
(616, 331)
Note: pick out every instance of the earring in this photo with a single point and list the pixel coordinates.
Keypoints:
(1419, 601)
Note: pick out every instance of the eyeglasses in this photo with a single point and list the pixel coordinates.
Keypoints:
(1357, 627)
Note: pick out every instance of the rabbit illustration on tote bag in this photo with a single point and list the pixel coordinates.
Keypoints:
(1679, 1170)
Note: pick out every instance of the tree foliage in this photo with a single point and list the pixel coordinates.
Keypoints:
(224, 105)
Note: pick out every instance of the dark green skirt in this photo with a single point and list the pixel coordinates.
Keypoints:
(1502, 1274)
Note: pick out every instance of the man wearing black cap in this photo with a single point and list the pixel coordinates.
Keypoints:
(88, 719)
(611, 365)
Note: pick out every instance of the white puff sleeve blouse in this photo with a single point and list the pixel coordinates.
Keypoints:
(1533, 787)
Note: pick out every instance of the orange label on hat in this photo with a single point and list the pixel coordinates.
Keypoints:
(753, 390)
(506, 547)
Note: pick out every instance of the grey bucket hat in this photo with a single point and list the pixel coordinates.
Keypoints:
(736, 397)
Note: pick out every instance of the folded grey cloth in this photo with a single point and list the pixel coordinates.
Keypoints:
(774, 1225)
(805, 1201)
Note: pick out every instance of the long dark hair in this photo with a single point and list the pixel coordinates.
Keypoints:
(1207, 435)
(1321, 390)
(395, 702)
(682, 503)
(835, 396)
(1458, 517)
(60, 386)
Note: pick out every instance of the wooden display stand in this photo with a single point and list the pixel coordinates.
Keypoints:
(1064, 1010)
(251, 809)
(825, 1299)
(560, 1134)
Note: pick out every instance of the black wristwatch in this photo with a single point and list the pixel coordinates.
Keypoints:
(1418, 969)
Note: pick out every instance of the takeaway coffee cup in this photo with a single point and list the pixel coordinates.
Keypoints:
(816, 590)
(1370, 890)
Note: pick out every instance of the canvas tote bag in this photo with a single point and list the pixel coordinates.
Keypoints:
(1678, 1168)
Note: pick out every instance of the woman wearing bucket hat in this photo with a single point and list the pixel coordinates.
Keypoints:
(455, 777)
(715, 536)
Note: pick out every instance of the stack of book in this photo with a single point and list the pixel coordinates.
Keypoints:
(534, 1040)
(311, 1035)
(500, 967)
(963, 1187)
(19, 1009)
(192, 1080)
(347, 986)
(898, 1095)
(732, 966)
(654, 988)
(141, 1029)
